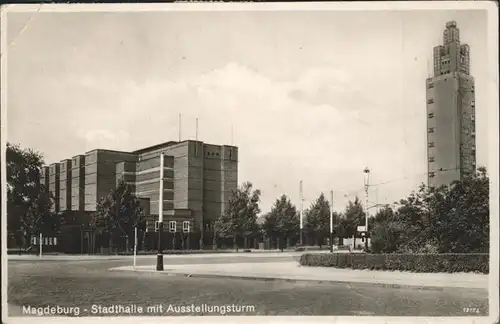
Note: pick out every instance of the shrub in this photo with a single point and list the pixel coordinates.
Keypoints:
(170, 252)
(446, 262)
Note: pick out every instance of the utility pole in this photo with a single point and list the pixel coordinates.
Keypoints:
(232, 134)
(366, 171)
(180, 127)
(301, 213)
(331, 222)
(159, 259)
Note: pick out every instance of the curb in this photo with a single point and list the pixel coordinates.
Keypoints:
(289, 280)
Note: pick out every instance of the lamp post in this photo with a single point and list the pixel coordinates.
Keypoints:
(366, 172)
(159, 259)
(331, 222)
(301, 214)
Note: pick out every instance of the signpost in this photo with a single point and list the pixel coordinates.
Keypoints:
(41, 245)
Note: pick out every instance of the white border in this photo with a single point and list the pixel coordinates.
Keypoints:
(489, 6)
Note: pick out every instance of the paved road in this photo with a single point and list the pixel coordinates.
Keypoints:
(85, 283)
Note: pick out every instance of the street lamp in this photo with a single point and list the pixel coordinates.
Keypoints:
(366, 172)
(301, 214)
(159, 259)
(331, 222)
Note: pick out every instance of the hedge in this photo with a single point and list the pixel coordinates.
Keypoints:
(446, 262)
(179, 252)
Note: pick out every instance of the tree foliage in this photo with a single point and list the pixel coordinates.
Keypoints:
(240, 218)
(354, 216)
(118, 213)
(318, 219)
(283, 220)
(28, 202)
(39, 218)
(23, 179)
(449, 219)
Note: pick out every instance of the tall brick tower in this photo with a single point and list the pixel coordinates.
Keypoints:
(451, 138)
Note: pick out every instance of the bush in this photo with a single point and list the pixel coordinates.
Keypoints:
(446, 262)
(170, 252)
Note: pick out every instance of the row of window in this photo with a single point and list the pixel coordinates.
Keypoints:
(432, 144)
(446, 61)
(35, 240)
(172, 226)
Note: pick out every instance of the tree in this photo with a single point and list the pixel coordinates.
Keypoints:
(354, 217)
(466, 228)
(448, 219)
(240, 218)
(118, 213)
(39, 219)
(318, 219)
(383, 236)
(283, 221)
(23, 180)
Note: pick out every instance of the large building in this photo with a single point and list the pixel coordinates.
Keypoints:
(198, 180)
(451, 151)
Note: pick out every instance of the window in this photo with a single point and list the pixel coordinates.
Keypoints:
(430, 101)
(430, 115)
(185, 226)
(431, 130)
(172, 225)
(431, 159)
(431, 144)
(217, 154)
(430, 85)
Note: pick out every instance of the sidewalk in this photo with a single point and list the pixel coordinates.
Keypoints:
(78, 257)
(291, 271)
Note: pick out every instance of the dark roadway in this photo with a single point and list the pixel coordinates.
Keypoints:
(86, 283)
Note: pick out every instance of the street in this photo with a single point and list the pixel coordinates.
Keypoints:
(84, 283)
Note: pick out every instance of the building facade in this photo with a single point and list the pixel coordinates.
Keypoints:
(451, 148)
(198, 181)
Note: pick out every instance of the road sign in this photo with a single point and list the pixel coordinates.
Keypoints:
(361, 229)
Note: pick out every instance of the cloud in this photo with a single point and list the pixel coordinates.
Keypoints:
(103, 138)
(311, 127)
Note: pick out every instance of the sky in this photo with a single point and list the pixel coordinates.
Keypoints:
(305, 95)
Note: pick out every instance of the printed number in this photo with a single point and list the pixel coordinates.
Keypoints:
(471, 310)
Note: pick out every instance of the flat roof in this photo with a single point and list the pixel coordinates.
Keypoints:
(106, 150)
(157, 146)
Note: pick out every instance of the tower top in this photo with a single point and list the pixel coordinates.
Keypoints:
(451, 24)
